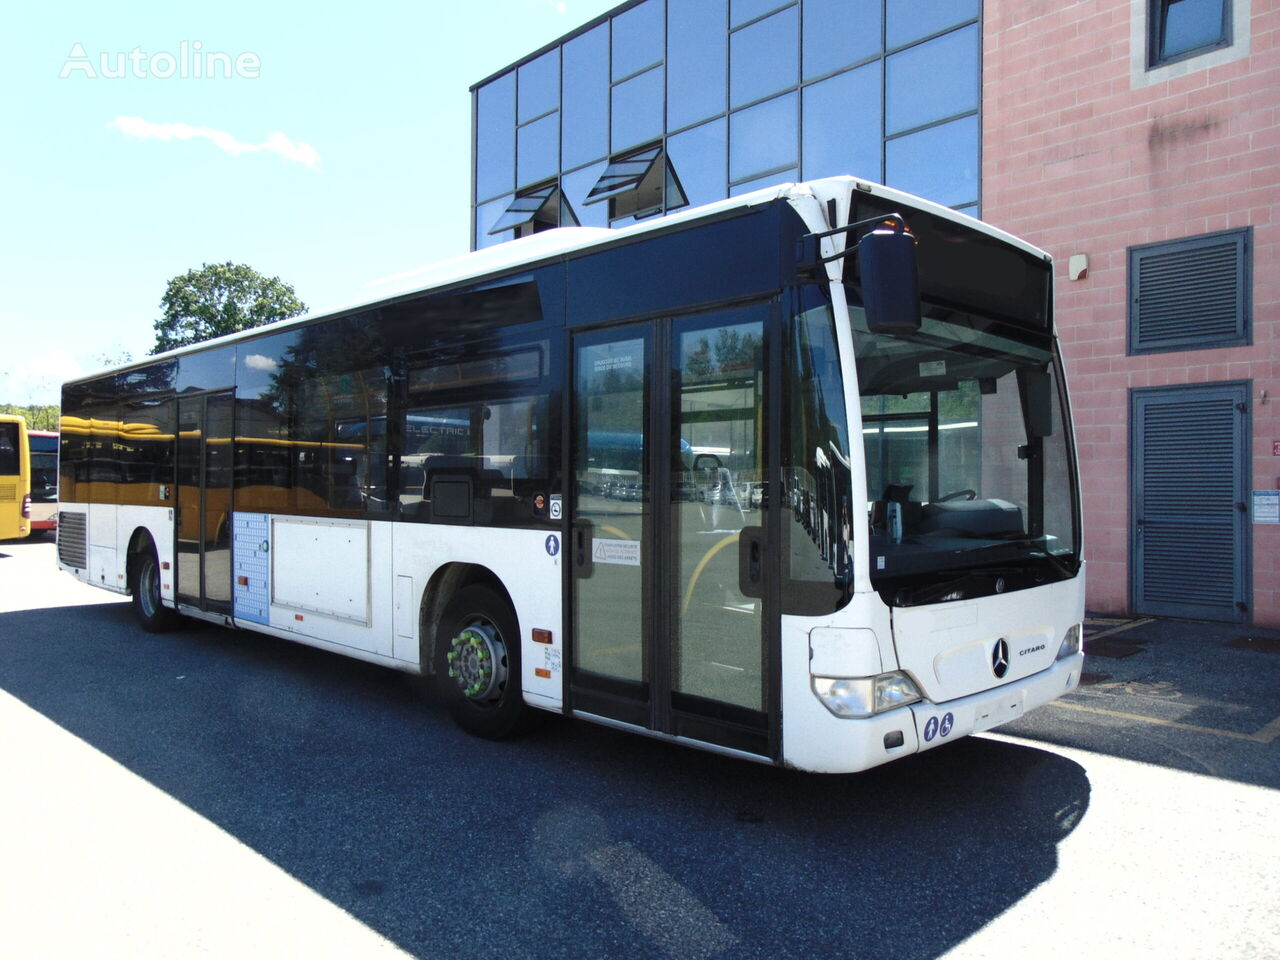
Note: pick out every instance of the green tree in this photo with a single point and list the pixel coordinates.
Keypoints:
(38, 416)
(218, 299)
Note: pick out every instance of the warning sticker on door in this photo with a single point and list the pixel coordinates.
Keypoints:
(625, 552)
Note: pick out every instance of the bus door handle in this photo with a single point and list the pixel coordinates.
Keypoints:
(751, 562)
(581, 537)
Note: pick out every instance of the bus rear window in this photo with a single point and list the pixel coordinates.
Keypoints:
(8, 449)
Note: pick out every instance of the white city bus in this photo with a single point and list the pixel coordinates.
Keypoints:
(733, 478)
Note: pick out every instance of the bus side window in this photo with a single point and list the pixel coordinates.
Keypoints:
(476, 428)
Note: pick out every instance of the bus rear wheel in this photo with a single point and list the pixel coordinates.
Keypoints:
(477, 664)
(153, 616)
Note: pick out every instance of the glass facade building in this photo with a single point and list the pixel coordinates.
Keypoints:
(663, 104)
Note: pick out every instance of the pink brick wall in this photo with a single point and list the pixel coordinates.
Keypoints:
(1077, 160)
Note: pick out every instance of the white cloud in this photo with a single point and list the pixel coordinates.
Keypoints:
(37, 379)
(276, 142)
(256, 361)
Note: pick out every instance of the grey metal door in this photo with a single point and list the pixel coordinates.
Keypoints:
(1189, 505)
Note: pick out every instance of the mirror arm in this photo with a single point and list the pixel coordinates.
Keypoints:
(812, 240)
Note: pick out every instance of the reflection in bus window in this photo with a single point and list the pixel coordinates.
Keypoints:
(475, 437)
(816, 496)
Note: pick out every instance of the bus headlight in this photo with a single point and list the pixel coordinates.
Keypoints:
(865, 696)
(1070, 643)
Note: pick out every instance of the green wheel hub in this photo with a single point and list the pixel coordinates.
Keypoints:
(478, 662)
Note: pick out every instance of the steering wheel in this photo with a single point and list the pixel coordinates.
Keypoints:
(956, 494)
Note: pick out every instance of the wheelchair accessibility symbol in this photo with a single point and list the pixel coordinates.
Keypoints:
(948, 722)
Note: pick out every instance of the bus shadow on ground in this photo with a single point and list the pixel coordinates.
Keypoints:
(575, 841)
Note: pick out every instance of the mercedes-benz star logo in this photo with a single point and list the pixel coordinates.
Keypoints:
(1000, 658)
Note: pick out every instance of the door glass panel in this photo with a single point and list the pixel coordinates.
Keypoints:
(611, 495)
(216, 523)
(717, 493)
(190, 447)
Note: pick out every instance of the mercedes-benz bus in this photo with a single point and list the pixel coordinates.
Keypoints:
(789, 477)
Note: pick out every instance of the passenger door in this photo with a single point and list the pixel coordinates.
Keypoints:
(669, 581)
(202, 515)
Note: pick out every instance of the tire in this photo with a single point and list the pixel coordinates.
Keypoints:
(144, 587)
(477, 664)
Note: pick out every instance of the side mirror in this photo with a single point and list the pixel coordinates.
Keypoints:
(890, 283)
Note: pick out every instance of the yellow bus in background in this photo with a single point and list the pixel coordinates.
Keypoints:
(15, 478)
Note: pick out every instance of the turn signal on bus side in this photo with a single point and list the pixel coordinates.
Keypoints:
(855, 697)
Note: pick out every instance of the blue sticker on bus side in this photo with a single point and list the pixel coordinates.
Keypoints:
(251, 596)
(930, 729)
(553, 545)
(948, 722)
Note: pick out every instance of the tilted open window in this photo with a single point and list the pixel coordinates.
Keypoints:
(535, 210)
(641, 183)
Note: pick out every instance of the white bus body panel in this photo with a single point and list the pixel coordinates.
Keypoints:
(947, 647)
(359, 585)
(354, 586)
(527, 562)
(814, 739)
(110, 529)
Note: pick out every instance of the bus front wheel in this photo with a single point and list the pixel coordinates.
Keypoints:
(477, 664)
(153, 616)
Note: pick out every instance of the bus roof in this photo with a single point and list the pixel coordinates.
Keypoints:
(549, 245)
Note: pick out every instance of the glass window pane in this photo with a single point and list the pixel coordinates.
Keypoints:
(764, 58)
(586, 97)
(610, 490)
(716, 650)
(838, 33)
(625, 173)
(772, 180)
(763, 137)
(933, 80)
(743, 10)
(842, 125)
(536, 206)
(538, 150)
(698, 159)
(576, 186)
(487, 215)
(539, 86)
(912, 19)
(637, 110)
(637, 38)
(816, 479)
(940, 164)
(696, 60)
(1190, 24)
(496, 136)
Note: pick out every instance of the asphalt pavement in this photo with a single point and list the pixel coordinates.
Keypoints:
(1189, 695)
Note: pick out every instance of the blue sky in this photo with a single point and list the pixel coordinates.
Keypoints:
(343, 161)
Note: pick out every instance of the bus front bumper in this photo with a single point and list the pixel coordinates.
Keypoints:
(939, 723)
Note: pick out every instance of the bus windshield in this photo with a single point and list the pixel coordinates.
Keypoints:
(970, 481)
